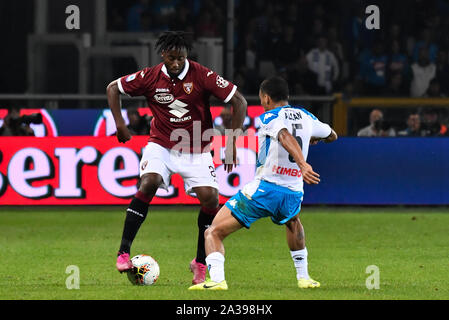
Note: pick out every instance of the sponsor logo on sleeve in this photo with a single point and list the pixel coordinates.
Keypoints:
(222, 83)
(130, 78)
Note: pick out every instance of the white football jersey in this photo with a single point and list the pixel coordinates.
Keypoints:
(274, 163)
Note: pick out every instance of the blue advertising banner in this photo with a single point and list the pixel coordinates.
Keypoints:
(380, 171)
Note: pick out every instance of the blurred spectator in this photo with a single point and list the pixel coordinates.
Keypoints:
(378, 126)
(442, 71)
(360, 37)
(135, 14)
(396, 86)
(335, 46)
(287, 49)
(317, 29)
(273, 35)
(373, 67)
(16, 125)
(162, 12)
(250, 53)
(434, 90)
(260, 23)
(425, 42)
(413, 126)
(397, 59)
(282, 72)
(138, 125)
(291, 16)
(394, 35)
(206, 26)
(431, 124)
(349, 90)
(324, 64)
(116, 20)
(182, 18)
(422, 72)
(302, 80)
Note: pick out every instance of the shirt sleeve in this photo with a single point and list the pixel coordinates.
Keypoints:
(320, 129)
(218, 86)
(272, 124)
(133, 84)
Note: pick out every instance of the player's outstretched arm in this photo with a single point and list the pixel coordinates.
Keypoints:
(291, 145)
(113, 94)
(331, 138)
(239, 105)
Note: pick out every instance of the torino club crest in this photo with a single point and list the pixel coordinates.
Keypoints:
(188, 87)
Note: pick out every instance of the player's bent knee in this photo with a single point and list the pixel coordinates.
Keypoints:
(208, 197)
(149, 183)
(209, 232)
(293, 224)
(211, 204)
(214, 232)
(210, 208)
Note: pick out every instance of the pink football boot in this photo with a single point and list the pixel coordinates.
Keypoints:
(199, 271)
(123, 262)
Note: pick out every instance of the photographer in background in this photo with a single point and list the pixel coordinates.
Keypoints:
(138, 125)
(378, 126)
(431, 124)
(413, 126)
(16, 125)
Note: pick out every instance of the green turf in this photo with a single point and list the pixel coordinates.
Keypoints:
(410, 247)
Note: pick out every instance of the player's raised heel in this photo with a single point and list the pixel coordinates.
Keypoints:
(210, 285)
(308, 283)
(199, 272)
(123, 262)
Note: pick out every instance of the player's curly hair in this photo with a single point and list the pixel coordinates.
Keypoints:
(177, 40)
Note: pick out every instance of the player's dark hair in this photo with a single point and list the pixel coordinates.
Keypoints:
(276, 87)
(174, 40)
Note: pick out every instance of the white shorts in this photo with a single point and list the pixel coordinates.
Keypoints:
(197, 169)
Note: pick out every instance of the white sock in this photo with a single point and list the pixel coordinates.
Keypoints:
(300, 261)
(215, 264)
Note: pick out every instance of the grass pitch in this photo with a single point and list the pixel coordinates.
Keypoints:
(409, 246)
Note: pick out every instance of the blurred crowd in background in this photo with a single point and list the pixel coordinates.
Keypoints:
(321, 48)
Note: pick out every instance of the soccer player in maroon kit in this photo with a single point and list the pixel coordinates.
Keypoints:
(177, 91)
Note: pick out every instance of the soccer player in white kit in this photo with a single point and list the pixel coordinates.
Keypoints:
(277, 191)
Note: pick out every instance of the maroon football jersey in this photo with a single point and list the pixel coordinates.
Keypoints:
(179, 103)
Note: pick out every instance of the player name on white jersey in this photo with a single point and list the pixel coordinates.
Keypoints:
(275, 164)
(293, 115)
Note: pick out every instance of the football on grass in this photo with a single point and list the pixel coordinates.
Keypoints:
(145, 271)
